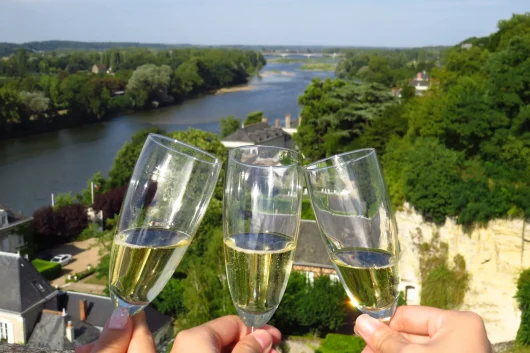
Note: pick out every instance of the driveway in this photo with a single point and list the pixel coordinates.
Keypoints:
(84, 253)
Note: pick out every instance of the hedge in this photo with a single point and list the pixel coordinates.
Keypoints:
(79, 276)
(334, 343)
(48, 270)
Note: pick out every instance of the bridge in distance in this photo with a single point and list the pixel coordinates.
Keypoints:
(284, 54)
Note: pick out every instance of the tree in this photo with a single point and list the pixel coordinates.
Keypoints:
(44, 223)
(70, 220)
(35, 102)
(228, 126)
(10, 106)
(123, 166)
(110, 202)
(149, 83)
(335, 113)
(253, 118)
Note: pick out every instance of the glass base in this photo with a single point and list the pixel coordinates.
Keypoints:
(383, 314)
(120, 303)
(255, 320)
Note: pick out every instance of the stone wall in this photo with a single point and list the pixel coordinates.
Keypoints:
(494, 257)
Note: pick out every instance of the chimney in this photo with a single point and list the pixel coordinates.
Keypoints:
(264, 120)
(82, 310)
(70, 331)
(288, 121)
(277, 123)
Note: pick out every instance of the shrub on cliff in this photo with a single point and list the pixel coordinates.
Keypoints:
(523, 297)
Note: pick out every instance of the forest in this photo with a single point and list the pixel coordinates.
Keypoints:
(44, 91)
(462, 150)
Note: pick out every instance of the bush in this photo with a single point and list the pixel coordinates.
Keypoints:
(71, 220)
(79, 276)
(48, 270)
(523, 298)
(110, 202)
(307, 210)
(334, 343)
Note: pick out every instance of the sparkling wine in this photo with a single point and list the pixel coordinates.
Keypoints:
(370, 278)
(142, 261)
(258, 268)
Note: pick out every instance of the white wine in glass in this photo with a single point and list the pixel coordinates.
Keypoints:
(167, 196)
(261, 218)
(352, 208)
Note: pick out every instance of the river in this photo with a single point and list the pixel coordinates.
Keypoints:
(33, 167)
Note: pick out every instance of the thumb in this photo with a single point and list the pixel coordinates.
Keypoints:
(117, 333)
(378, 336)
(260, 341)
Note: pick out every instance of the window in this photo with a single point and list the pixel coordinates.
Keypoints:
(310, 276)
(6, 331)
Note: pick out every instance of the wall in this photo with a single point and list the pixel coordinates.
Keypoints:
(17, 324)
(494, 257)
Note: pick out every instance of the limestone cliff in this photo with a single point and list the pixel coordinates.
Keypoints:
(494, 257)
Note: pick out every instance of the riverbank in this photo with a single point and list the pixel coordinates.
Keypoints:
(239, 88)
(65, 121)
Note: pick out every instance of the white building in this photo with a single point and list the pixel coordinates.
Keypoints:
(13, 229)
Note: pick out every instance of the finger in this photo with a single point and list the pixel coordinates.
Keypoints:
(84, 349)
(142, 339)
(418, 320)
(378, 336)
(367, 350)
(416, 339)
(259, 341)
(116, 335)
(231, 328)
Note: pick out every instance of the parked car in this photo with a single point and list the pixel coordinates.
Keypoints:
(63, 259)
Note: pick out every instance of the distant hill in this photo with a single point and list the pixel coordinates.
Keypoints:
(7, 49)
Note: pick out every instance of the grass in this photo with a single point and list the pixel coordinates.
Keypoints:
(307, 210)
(94, 280)
(520, 350)
(318, 67)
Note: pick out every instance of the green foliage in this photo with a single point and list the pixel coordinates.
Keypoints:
(92, 231)
(62, 200)
(335, 113)
(401, 299)
(253, 118)
(307, 210)
(48, 270)
(523, 298)
(334, 343)
(75, 277)
(149, 83)
(306, 307)
(123, 166)
(228, 126)
(443, 286)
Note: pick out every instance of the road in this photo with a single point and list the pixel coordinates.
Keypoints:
(84, 253)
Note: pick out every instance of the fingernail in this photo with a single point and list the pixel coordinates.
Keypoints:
(365, 326)
(263, 338)
(119, 318)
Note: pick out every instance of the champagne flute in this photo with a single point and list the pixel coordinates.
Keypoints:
(352, 208)
(261, 219)
(167, 197)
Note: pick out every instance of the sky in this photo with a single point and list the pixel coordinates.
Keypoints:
(388, 23)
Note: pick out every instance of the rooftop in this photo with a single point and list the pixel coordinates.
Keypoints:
(255, 133)
(26, 286)
(311, 250)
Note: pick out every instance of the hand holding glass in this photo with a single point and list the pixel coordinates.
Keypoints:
(261, 219)
(169, 191)
(352, 208)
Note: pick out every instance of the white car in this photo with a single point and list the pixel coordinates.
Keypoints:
(63, 259)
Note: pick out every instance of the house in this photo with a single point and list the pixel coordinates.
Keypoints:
(14, 230)
(99, 69)
(311, 256)
(467, 46)
(259, 134)
(421, 83)
(396, 92)
(33, 312)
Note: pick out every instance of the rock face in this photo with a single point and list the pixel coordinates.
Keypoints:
(495, 255)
